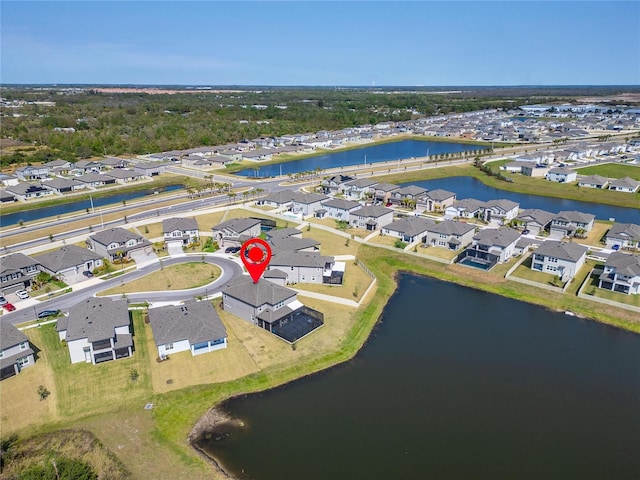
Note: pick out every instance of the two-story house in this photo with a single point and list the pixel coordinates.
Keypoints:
(16, 272)
(500, 211)
(371, 217)
(621, 273)
(270, 306)
(360, 189)
(437, 200)
(383, 192)
(561, 175)
(494, 244)
(180, 231)
(407, 196)
(450, 234)
(408, 229)
(117, 243)
(563, 259)
(15, 351)
(335, 184)
(535, 220)
(97, 330)
(302, 267)
(307, 203)
(571, 223)
(32, 172)
(338, 208)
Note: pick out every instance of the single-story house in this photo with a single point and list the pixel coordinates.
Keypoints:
(117, 243)
(123, 175)
(181, 231)
(193, 326)
(97, 330)
(87, 166)
(408, 229)
(626, 184)
(270, 306)
(561, 175)
(152, 169)
(302, 267)
(621, 273)
(236, 231)
(535, 220)
(96, 179)
(371, 217)
(593, 181)
(290, 239)
(15, 351)
(63, 185)
(281, 199)
(25, 191)
(623, 235)
(16, 272)
(68, 262)
(114, 162)
(7, 180)
(563, 259)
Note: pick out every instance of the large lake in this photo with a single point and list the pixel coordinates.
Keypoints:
(454, 384)
(469, 187)
(383, 152)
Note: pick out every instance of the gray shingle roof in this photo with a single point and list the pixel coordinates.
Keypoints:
(502, 237)
(299, 259)
(387, 187)
(16, 261)
(292, 244)
(628, 231)
(257, 294)
(373, 211)
(308, 198)
(237, 225)
(60, 183)
(562, 250)
(341, 204)
(284, 196)
(412, 190)
(452, 227)
(284, 233)
(65, 257)
(96, 319)
(182, 224)
(362, 183)
(10, 336)
(504, 204)
(626, 182)
(117, 235)
(574, 216)
(411, 225)
(439, 195)
(533, 214)
(469, 204)
(624, 263)
(194, 321)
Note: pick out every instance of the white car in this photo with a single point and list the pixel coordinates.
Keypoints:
(22, 294)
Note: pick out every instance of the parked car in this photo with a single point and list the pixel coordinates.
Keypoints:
(232, 250)
(48, 313)
(22, 294)
(3, 301)
(8, 307)
(87, 273)
(525, 232)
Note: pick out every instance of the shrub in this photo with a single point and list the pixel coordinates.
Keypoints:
(43, 393)
(133, 374)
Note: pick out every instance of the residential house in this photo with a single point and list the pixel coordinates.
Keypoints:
(82, 167)
(450, 234)
(302, 267)
(626, 184)
(15, 351)
(437, 200)
(193, 326)
(270, 306)
(407, 196)
(236, 231)
(383, 192)
(571, 223)
(58, 167)
(593, 181)
(7, 180)
(335, 184)
(307, 203)
(563, 259)
(371, 217)
(408, 229)
(96, 179)
(535, 170)
(465, 208)
(338, 208)
(68, 262)
(152, 169)
(180, 231)
(32, 172)
(123, 175)
(623, 235)
(561, 175)
(63, 185)
(535, 220)
(114, 162)
(282, 199)
(290, 240)
(500, 211)
(97, 330)
(7, 197)
(621, 273)
(25, 191)
(496, 245)
(360, 189)
(117, 243)
(16, 272)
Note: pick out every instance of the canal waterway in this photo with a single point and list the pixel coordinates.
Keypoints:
(454, 383)
(76, 205)
(469, 187)
(384, 152)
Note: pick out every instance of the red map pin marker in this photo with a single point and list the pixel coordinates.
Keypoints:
(255, 254)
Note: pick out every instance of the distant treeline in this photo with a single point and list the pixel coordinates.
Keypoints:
(139, 123)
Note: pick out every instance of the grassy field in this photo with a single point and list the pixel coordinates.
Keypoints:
(524, 271)
(592, 289)
(612, 170)
(173, 277)
(356, 282)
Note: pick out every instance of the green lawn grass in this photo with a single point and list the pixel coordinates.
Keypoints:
(612, 170)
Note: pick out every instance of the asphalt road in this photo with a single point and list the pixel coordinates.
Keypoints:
(230, 270)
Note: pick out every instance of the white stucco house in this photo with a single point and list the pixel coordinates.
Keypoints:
(621, 273)
(563, 259)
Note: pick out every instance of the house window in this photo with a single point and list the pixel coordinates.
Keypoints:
(23, 345)
(1, 354)
(22, 361)
(168, 346)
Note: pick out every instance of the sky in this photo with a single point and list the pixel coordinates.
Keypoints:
(348, 43)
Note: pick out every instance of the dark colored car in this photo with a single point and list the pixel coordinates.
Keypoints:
(3, 301)
(525, 232)
(48, 313)
(8, 307)
(87, 273)
(232, 250)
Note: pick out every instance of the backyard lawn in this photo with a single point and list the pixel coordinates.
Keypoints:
(612, 170)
